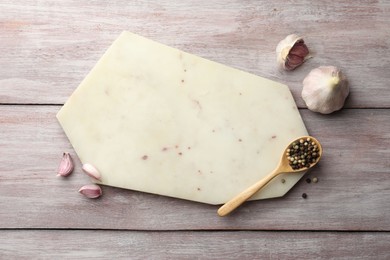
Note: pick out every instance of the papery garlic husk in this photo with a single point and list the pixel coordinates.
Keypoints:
(325, 89)
(91, 191)
(66, 165)
(91, 171)
(291, 52)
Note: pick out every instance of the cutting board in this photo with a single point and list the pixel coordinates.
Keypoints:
(156, 119)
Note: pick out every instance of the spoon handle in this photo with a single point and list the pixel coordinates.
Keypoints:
(246, 194)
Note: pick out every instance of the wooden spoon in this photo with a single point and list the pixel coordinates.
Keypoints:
(283, 167)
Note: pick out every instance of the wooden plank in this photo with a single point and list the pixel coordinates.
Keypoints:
(47, 48)
(352, 192)
(70, 244)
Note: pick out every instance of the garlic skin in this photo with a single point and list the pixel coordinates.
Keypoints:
(66, 165)
(325, 89)
(91, 191)
(291, 52)
(91, 171)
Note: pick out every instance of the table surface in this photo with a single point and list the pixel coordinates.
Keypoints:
(47, 48)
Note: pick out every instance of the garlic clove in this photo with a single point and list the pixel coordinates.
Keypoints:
(91, 191)
(66, 165)
(325, 89)
(91, 171)
(293, 61)
(291, 52)
(299, 49)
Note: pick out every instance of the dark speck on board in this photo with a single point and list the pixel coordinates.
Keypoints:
(145, 157)
(274, 136)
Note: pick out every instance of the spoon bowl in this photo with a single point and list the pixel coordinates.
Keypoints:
(300, 155)
(287, 166)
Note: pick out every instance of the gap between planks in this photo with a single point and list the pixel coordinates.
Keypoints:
(195, 230)
(59, 105)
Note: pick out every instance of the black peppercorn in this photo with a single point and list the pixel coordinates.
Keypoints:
(301, 154)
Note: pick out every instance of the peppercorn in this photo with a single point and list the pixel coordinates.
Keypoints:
(304, 195)
(302, 153)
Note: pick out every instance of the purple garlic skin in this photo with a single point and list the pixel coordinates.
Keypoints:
(291, 52)
(91, 191)
(66, 165)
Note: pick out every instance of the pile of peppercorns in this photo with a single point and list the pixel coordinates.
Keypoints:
(302, 153)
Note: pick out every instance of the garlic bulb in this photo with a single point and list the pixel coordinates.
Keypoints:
(291, 52)
(325, 89)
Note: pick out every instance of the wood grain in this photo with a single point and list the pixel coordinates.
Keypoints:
(352, 194)
(56, 244)
(48, 47)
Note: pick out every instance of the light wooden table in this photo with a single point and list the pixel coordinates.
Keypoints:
(46, 49)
